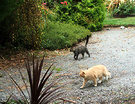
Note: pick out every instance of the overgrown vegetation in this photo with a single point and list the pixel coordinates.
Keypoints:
(111, 21)
(58, 35)
(23, 27)
(126, 9)
(87, 13)
(27, 25)
(121, 8)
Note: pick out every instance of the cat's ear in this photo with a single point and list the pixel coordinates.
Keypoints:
(71, 49)
(83, 73)
(81, 70)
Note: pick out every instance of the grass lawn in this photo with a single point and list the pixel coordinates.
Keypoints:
(111, 21)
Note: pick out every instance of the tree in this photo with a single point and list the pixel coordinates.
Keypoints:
(23, 25)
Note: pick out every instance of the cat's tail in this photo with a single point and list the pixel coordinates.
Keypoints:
(87, 39)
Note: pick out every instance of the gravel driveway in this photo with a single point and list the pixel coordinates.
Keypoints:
(114, 48)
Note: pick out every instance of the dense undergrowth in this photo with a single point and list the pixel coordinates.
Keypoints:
(112, 21)
(59, 35)
(50, 25)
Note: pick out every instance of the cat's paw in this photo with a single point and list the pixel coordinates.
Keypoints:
(110, 77)
(99, 81)
(81, 87)
(95, 85)
(106, 78)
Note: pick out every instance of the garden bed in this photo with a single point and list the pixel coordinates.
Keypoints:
(123, 16)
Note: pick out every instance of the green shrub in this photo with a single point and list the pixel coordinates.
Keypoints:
(23, 27)
(126, 9)
(39, 33)
(59, 35)
(8, 6)
(88, 13)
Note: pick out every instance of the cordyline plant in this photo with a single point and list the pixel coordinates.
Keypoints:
(38, 93)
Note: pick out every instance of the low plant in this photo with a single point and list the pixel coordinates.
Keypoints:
(38, 94)
(112, 4)
(58, 69)
(59, 35)
(126, 9)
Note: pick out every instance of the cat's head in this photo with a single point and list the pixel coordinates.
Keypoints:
(71, 49)
(82, 73)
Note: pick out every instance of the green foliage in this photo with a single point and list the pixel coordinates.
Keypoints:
(57, 69)
(111, 21)
(59, 35)
(28, 24)
(126, 9)
(87, 13)
(8, 6)
(23, 27)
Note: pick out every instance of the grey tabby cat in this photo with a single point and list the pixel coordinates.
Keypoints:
(80, 50)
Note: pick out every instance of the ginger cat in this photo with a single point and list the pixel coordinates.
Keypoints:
(94, 73)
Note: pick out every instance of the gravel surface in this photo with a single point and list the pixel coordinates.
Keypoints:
(112, 47)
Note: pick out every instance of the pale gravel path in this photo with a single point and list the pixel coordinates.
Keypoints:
(115, 48)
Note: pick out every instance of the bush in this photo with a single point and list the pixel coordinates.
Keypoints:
(126, 9)
(7, 6)
(86, 13)
(59, 35)
(23, 27)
